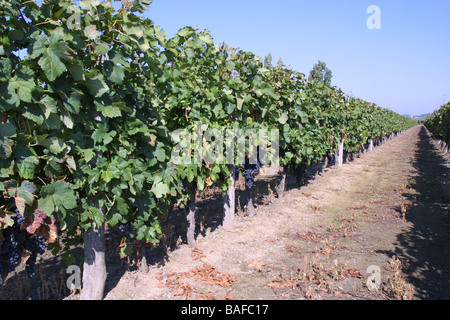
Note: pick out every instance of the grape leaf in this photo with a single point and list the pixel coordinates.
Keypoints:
(56, 195)
(25, 191)
(97, 86)
(114, 72)
(91, 32)
(7, 130)
(159, 188)
(27, 167)
(20, 204)
(51, 64)
(21, 85)
(34, 221)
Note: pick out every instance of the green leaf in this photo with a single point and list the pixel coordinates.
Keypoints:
(67, 120)
(239, 103)
(16, 34)
(55, 196)
(88, 4)
(97, 86)
(34, 113)
(21, 85)
(6, 150)
(117, 212)
(54, 144)
(107, 176)
(52, 65)
(125, 250)
(110, 111)
(101, 134)
(51, 50)
(27, 167)
(191, 172)
(7, 130)
(53, 122)
(71, 163)
(142, 233)
(206, 38)
(102, 48)
(140, 6)
(186, 31)
(77, 70)
(200, 183)
(160, 154)
(283, 118)
(25, 191)
(114, 72)
(159, 188)
(91, 32)
(230, 65)
(87, 154)
(48, 106)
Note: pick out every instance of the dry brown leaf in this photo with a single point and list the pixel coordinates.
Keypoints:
(178, 291)
(292, 248)
(197, 254)
(158, 276)
(205, 297)
(309, 235)
(256, 265)
(355, 273)
(357, 208)
(206, 273)
(274, 285)
(309, 195)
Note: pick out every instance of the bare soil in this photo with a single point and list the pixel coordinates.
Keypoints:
(387, 210)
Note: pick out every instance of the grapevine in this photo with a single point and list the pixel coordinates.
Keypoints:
(439, 124)
(87, 115)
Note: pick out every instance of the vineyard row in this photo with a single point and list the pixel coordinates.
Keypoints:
(88, 112)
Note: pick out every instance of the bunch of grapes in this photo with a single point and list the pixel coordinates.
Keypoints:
(184, 183)
(123, 229)
(36, 245)
(250, 172)
(11, 245)
(15, 240)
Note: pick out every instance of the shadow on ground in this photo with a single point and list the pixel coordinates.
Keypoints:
(426, 246)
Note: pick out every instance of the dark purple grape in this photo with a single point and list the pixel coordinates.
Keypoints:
(31, 265)
(14, 242)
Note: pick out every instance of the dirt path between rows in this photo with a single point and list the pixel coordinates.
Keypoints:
(384, 215)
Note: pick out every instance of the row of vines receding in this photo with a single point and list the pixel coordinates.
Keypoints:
(438, 124)
(90, 97)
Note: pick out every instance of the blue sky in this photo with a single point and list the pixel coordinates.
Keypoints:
(404, 66)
